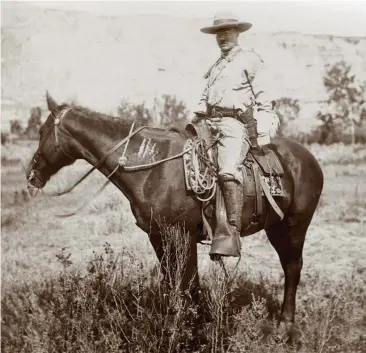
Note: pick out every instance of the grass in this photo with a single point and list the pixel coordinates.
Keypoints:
(339, 153)
(91, 283)
(114, 307)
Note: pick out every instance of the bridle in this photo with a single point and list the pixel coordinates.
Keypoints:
(33, 172)
(57, 124)
(56, 120)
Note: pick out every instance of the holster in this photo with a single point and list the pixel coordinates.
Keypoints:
(247, 118)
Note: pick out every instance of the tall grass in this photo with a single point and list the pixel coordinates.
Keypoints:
(117, 305)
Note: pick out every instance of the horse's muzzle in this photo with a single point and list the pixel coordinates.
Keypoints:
(32, 190)
(34, 182)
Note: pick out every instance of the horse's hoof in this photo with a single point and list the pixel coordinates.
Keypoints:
(287, 332)
(284, 330)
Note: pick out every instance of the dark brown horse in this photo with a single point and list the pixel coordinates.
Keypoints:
(72, 133)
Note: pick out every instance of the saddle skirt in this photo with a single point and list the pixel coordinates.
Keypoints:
(270, 170)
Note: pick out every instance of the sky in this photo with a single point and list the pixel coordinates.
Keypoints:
(344, 18)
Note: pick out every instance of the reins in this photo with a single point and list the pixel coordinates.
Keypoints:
(119, 165)
(102, 160)
(91, 197)
(122, 164)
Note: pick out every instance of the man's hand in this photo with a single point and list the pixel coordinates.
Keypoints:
(212, 123)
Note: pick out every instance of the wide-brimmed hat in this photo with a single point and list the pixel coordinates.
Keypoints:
(226, 20)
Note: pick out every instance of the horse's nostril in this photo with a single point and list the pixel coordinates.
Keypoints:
(31, 175)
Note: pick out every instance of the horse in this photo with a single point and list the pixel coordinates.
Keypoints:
(74, 132)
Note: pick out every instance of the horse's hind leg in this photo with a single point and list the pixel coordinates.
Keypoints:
(288, 237)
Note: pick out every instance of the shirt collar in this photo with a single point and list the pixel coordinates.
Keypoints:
(229, 56)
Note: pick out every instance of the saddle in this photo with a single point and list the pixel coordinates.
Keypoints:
(262, 170)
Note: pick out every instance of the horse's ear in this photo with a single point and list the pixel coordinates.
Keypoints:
(51, 104)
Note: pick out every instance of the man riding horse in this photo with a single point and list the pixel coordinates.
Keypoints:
(234, 103)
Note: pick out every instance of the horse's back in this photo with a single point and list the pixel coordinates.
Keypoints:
(286, 148)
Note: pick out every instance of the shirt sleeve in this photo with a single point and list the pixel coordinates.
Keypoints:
(202, 104)
(258, 76)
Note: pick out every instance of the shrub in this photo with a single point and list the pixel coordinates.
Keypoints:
(4, 138)
(166, 112)
(34, 123)
(346, 108)
(116, 305)
(288, 110)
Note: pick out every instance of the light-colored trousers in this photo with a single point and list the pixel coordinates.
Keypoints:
(232, 148)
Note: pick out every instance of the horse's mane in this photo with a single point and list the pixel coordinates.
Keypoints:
(87, 112)
(92, 113)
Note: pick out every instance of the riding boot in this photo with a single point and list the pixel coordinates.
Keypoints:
(226, 241)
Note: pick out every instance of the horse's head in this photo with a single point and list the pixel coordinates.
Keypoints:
(52, 153)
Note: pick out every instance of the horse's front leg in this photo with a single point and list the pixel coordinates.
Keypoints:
(178, 261)
(190, 279)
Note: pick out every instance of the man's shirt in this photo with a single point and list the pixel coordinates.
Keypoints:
(227, 86)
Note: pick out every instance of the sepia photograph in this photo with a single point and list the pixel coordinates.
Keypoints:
(183, 176)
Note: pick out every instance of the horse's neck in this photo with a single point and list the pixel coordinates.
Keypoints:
(96, 134)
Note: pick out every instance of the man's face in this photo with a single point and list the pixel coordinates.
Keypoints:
(227, 38)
